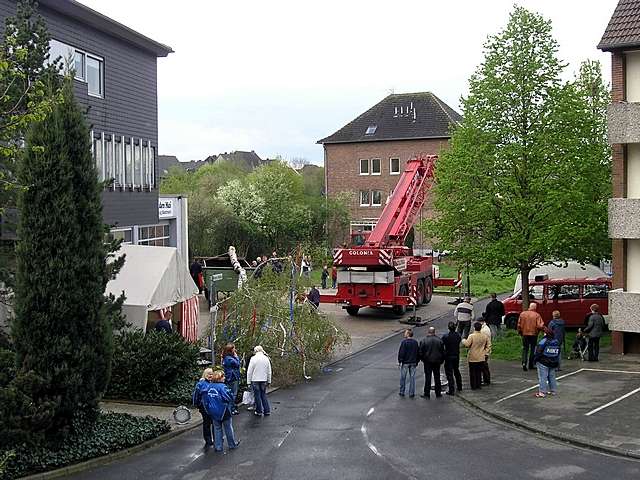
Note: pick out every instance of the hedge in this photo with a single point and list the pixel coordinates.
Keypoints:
(153, 367)
(110, 433)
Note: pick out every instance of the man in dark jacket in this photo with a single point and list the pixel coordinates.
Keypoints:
(432, 355)
(557, 327)
(314, 296)
(493, 313)
(408, 360)
(595, 329)
(451, 342)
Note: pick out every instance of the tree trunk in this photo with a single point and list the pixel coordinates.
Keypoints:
(524, 276)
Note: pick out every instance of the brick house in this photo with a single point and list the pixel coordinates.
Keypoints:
(365, 157)
(622, 39)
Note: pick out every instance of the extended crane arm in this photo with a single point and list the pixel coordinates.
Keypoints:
(404, 204)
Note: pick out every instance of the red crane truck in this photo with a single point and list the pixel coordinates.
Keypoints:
(383, 272)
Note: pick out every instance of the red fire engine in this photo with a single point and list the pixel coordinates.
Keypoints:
(383, 272)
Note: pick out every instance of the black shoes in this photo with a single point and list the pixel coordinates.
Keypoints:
(524, 367)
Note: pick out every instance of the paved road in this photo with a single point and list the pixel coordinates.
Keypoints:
(351, 424)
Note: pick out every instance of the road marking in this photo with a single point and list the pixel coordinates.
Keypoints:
(608, 371)
(535, 386)
(632, 392)
(284, 438)
(370, 445)
(370, 412)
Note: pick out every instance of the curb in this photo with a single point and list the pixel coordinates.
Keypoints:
(96, 462)
(566, 439)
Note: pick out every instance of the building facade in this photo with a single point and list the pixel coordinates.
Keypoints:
(622, 39)
(116, 82)
(364, 158)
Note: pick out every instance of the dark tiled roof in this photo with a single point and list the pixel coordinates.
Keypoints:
(399, 117)
(165, 162)
(623, 30)
(248, 160)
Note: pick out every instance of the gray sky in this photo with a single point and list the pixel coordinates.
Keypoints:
(276, 76)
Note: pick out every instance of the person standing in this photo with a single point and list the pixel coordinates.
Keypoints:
(595, 328)
(529, 324)
(259, 377)
(324, 276)
(432, 355)
(195, 270)
(451, 342)
(314, 296)
(557, 326)
(200, 390)
(477, 343)
(463, 315)
(486, 373)
(231, 365)
(305, 267)
(546, 358)
(218, 403)
(408, 361)
(334, 276)
(494, 311)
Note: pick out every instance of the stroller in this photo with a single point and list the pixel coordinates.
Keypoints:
(579, 348)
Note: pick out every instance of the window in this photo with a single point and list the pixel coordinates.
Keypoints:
(394, 166)
(94, 76)
(137, 167)
(154, 235)
(124, 163)
(117, 159)
(128, 163)
(375, 166)
(364, 198)
(364, 166)
(535, 292)
(371, 129)
(125, 234)
(98, 153)
(595, 291)
(87, 68)
(376, 198)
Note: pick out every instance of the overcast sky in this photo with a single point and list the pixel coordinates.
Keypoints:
(276, 76)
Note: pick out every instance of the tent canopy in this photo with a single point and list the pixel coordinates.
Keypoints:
(151, 278)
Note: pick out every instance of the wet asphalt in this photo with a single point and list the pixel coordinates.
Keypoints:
(350, 423)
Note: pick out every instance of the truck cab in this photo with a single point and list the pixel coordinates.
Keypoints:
(572, 297)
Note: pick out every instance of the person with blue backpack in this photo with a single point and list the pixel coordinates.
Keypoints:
(201, 389)
(546, 358)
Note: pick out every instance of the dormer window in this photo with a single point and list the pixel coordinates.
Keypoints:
(371, 129)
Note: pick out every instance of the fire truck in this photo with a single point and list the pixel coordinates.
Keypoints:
(382, 271)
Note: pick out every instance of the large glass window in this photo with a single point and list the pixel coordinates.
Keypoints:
(117, 159)
(376, 198)
(98, 152)
(79, 65)
(364, 198)
(375, 166)
(364, 166)
(137, 168)
(109, 163)
(94, 76)
(128, 155)
(154, 235)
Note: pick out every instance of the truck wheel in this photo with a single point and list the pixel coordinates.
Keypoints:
(401, 309)
(353, 311)
(420, 293)
(428, 290)
(511, 322)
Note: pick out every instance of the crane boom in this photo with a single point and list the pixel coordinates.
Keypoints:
(404, 204)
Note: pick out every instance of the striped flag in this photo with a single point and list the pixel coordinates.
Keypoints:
(189, 322)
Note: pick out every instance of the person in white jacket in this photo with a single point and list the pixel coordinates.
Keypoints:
(259, 376)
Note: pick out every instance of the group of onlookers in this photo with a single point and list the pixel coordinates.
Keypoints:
(433, 351)
(546, 355)
(215, 395)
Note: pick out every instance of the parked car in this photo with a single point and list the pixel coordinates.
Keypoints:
(572, 297)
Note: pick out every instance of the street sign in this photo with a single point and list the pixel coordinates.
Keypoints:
(216, 277)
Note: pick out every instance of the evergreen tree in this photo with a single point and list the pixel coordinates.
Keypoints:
(61, 330)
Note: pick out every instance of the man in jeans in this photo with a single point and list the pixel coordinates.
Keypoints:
(464, 316)
(408, 360)
(529, 324)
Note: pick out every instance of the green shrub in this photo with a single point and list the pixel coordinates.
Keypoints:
(153, 367)
(111, 432)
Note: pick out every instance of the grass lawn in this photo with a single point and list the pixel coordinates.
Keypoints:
(508, 345)
(482, 283)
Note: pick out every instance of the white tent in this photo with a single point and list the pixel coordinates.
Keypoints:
(151, 278)
(572, 270)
